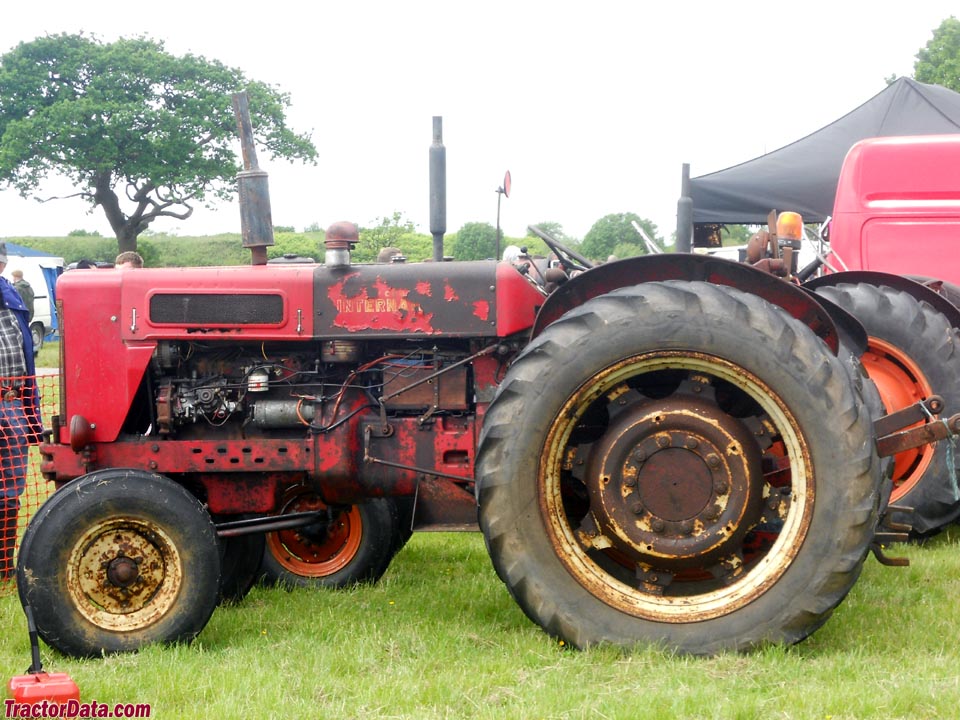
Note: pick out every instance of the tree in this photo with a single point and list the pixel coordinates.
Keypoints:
(555, 230)
(939, 62)
(475, 241)
(128, 122)
(611, 231)
(388, 232)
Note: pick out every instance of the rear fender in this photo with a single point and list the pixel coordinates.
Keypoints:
(920, 288)
(686, 266)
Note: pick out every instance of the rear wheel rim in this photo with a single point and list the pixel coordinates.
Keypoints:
(316, 554)
(627, 561)
(901, 383)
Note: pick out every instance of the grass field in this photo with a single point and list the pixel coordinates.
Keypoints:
(439, 637)
(49, 355)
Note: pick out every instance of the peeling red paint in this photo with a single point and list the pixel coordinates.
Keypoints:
(481, 308)
(380, 307)
(449, 294)
(424, 288)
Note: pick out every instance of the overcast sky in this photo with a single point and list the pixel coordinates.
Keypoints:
(593, 106)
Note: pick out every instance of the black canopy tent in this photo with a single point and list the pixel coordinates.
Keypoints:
(803, 176)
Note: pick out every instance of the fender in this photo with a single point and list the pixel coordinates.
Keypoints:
(917, 287)
(686, 266)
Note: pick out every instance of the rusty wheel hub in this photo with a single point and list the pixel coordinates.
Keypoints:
(125, 574)
(670, 481)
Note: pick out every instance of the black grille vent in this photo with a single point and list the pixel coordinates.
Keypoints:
(212, 309)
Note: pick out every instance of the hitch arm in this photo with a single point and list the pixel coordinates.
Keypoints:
(894, 435)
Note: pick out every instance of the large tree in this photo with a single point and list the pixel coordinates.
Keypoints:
(139, 132)
(939, 62)
(387, 232)
(475, 241)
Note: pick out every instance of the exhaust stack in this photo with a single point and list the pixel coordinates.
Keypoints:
(256, 221)
(438, 189)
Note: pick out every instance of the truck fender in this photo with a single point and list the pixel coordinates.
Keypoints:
(920, 288)
(802, 305)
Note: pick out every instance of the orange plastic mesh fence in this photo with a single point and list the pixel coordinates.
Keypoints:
(16, 510)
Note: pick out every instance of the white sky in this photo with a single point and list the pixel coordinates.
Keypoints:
(593, 106)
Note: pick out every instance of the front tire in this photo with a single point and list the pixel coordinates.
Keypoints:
(118, 559)
(695, 470)
(240, 560)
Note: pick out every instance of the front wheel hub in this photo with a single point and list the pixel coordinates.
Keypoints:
(675, 482)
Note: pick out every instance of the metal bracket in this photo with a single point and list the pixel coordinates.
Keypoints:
(894, 434)
(891, 532)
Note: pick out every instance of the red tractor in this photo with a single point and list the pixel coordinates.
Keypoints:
(673, 449)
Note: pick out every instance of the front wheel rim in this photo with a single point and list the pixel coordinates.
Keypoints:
(124, 574)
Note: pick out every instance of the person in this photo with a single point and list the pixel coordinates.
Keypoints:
(512, 254)
(387, 254)
(25, 290)
(128, 259)
(20, 424)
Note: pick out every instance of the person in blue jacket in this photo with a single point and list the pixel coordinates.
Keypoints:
(20, 424)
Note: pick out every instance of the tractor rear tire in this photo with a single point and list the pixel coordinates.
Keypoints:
(116, 560)
(355, 546)
(913, 352)
(694, 470)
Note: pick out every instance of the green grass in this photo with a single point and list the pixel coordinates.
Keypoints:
(49, 355)
(439, 637)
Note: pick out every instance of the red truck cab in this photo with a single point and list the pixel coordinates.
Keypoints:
(897, 207)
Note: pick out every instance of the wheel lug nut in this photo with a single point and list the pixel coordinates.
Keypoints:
(637, 508)
(663, 441)
(657, 525)
(639, 456)
(630, 481)
(713, 460)
(721, 486)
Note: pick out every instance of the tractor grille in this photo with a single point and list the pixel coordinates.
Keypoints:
(216, 309)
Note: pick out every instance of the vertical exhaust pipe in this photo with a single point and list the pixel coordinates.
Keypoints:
(685, 213)
(256, 222)
(438, 189)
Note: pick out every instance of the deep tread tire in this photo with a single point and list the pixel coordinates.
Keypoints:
(137, 519)
(357, 549)
(588, 596)
(868, 391)
(920, 333)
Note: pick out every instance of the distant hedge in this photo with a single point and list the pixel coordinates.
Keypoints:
(226, 249)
